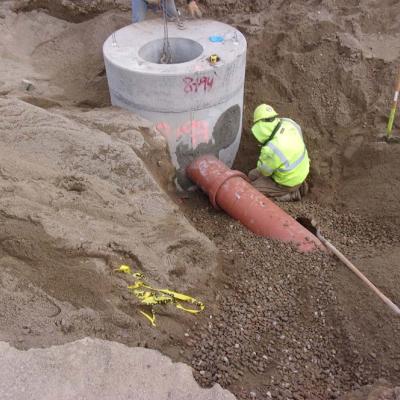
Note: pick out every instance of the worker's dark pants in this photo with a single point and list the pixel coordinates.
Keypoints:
(266, 185)
(139, 9)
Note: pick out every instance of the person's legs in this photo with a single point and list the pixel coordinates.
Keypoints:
(266, 185)
(254, 174)
(171, 8)
(270, 188)
(139, 9)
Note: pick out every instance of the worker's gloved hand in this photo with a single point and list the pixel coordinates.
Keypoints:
(194, 9)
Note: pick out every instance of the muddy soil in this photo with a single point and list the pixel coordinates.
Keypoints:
(85, 187)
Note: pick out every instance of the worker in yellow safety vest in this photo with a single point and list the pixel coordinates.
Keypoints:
(283, 165)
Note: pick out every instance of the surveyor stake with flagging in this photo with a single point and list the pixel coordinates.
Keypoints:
(394, 108)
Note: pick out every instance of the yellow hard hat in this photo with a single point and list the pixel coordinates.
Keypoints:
(264, 111)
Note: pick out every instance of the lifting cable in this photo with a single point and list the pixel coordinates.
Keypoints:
(166, 55)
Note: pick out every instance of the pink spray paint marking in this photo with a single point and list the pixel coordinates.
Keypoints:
(164, 128)
(197, 129)
(193, 85)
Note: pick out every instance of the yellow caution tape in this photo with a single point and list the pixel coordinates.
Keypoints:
(151, 297)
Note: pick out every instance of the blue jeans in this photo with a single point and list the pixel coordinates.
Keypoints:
(139, 9)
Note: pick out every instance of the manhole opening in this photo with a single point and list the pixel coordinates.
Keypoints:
(182, 50)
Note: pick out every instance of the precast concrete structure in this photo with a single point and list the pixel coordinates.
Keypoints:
(195, 103)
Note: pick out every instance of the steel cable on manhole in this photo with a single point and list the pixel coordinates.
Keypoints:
(166, 56)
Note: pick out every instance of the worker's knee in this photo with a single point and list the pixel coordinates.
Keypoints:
(254, 174)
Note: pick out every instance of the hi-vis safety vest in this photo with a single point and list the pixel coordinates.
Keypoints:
(285, 156)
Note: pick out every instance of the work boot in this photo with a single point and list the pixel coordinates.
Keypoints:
(292, 196)
(296, 195)
(304, 189)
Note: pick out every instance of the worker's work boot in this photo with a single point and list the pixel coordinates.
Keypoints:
(296, 195)
(292, 196)
(304, 189)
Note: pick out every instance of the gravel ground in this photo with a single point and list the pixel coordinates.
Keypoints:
(282, 325)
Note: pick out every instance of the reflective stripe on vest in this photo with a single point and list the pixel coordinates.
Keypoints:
(295, 164)
(264, 168)
(288, 166)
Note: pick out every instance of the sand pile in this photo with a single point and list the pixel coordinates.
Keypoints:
(71, 10)
(80, 191)
(75, 202)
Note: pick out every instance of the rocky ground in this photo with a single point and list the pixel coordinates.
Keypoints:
(297, 326)
(85, 187)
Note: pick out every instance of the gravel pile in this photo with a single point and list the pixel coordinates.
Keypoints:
(349, 232)
(275, 330)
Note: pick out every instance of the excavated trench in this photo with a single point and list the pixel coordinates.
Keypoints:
(278, 324)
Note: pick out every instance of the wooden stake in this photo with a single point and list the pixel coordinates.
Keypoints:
(394, 108)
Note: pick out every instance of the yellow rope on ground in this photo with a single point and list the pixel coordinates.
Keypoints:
(151, 297)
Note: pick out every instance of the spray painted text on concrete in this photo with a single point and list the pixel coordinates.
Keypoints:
(196, 85)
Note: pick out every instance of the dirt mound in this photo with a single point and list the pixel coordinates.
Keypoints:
(75, 202)
(62, 61)
(71, 10)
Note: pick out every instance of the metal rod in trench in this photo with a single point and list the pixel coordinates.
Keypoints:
(356, 271)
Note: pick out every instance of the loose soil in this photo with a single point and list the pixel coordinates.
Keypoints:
(85, 187)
